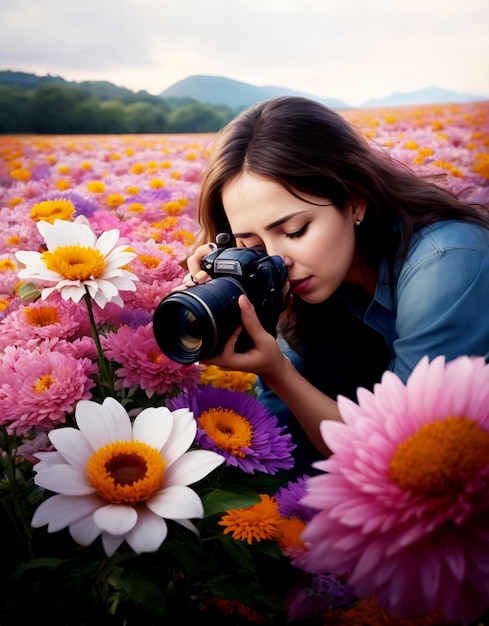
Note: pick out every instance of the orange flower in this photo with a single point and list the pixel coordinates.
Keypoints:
(236, 608)
(368, 613)
(257, 522)
(227, 379)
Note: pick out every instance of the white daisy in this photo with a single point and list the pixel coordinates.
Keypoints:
(121, 480)
(76, 260)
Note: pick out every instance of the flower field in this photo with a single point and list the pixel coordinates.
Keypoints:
(134, 489)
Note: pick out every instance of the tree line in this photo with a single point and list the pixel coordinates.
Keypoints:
(59, 109)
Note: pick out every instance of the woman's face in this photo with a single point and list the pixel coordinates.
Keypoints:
(317, 243)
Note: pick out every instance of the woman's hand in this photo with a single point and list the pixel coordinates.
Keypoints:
(196, 274)
(264, 359)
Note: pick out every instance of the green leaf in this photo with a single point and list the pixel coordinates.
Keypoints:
(238, 552)
(142, 591)
(219, 500)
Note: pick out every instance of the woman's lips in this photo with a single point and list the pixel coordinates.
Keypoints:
(299, 286)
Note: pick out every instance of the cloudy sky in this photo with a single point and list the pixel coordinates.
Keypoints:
(353, 50)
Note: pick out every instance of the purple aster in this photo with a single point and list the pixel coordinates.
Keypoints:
(289, 498)
(240, 428)
(83, 206)
(326, 592)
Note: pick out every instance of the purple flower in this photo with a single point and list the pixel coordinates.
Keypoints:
(238, 427)
(289, 498)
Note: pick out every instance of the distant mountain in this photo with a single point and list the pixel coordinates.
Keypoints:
(428, 95)
(220, 91)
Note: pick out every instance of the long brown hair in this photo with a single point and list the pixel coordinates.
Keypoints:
(310, 149)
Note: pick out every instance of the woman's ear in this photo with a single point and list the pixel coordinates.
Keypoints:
(358, 211)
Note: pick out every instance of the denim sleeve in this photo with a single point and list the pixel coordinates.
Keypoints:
(442, 308)
(305, 454)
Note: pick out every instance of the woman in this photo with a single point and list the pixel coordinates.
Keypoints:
(384, 267)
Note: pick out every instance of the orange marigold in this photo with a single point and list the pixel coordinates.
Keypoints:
(236, 381)
(257, 522)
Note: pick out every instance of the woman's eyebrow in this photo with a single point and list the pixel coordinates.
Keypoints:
(271, 226)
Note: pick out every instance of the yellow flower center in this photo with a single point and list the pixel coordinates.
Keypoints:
(441, 457)
(75, 262)
(150, 262)
(231, 431)
(51, 210)
(126, 471)
(43, 316)
(43, 383)
(6, 265)
(154, 356)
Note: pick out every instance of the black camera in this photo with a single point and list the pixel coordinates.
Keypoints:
(196, 323)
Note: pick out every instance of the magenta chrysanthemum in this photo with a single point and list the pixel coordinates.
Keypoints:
(238, 427)
(404, 504)
(144, 365)
(34, 323)
(39, 388)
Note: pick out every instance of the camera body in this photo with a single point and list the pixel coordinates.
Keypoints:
(196, 323)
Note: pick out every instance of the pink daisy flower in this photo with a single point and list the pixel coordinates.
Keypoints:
(39, 388)
(144, 365)
(405, 503)
(148, 295)
(153, 263)
(37, 322)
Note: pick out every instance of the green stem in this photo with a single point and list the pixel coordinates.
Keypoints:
(18, 515)
(103, 363)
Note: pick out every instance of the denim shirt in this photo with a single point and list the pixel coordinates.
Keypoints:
(439, 304)
(435, 303)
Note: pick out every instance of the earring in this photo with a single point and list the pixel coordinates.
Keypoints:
(358, 222)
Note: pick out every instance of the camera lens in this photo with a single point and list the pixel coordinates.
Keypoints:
(196, 323)
(188, 329)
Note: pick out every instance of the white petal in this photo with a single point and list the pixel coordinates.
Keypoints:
(149, 533)
(176, 502)
(64, 479)
(192, 466)
(186, 523)
(103, 423)
(107, 287)
(68, 292)
(28, 257)
(60, 511)
(125, 282)
(107, 241)
(85, 530)
(72, 445)
(182, 435)
(111, 543)
(153, 426)
(116, 519)
(63, 233)
(48, 458)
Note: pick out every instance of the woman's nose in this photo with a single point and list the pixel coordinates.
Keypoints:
(273, 250)
(288, 261)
